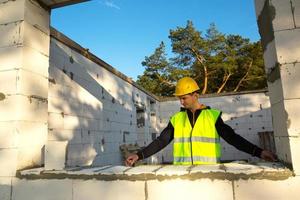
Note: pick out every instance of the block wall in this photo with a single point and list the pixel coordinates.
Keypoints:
(279, 23)
(24, 62)
(228, 181)
(94, 110)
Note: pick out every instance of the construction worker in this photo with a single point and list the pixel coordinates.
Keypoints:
(196, 132)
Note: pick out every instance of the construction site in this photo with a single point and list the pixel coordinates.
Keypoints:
(68, 119)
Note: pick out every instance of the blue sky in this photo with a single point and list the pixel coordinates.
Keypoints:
(123, 32)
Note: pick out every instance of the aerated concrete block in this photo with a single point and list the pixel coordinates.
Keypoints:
(37, 16)
(290, 82)
(275, 91)
(292, 117)
(59, 77)
(17, 57)
(11, 11)
(285, 118)
(28, 130)
(56, 105)
(73, 122)
(11, 34)
(30, 157)
(11, 57)
(35, 61)
(8, 81)
(55, 155)
(29, 83)
(283, 149)
(296, 6)
(295, 149)
(288, 46)
(33, 109)
(55, 121)
(283, 16)
(35, 38)
(189, 189)
(8, 161)
(42, 189)
(8, 135)
(73, 136)
(267, 189)
(23, 82)
(108, 190)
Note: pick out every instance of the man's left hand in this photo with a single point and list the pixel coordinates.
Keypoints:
(268, 156)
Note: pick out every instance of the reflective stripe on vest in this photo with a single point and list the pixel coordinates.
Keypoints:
(202, 159)
(198, 145)
(197, 139)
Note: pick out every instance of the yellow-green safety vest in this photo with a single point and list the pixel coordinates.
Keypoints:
(197, 145)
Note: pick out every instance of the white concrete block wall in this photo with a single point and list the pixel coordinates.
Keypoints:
(226, 181)
(24, 61)
(278, 23)
(97, 105)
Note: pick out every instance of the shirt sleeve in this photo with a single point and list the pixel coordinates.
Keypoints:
(228, 134)
(166, 136)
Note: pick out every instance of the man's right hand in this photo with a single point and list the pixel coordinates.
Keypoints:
(131, 159)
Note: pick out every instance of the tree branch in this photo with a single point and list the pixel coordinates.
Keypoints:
(244, 77)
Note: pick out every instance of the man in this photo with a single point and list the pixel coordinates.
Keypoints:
(196, 131)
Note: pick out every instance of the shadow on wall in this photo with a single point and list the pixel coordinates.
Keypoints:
(5, 188)
(83, 113)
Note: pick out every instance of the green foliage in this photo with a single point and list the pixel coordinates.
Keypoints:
(218, 62)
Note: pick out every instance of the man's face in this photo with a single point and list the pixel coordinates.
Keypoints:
(187, 100)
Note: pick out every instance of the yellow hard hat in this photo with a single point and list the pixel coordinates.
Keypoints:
(185, 86)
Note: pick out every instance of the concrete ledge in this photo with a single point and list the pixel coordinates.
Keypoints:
(154, 182)
(228, 171)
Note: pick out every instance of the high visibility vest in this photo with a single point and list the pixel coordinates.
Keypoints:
(197, 145)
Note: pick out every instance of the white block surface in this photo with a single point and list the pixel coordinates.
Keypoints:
(109, 190)
(288, 46)
(8, 160)
(19, 107)
(12, 11)
(185, 189)
(42, 189)
(290, 80)
(279, 190)
(55, 155)
(11, 34)
(283, 17)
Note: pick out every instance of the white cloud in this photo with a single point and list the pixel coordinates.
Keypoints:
(110, 3)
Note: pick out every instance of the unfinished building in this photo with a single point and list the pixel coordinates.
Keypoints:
(66, 115)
